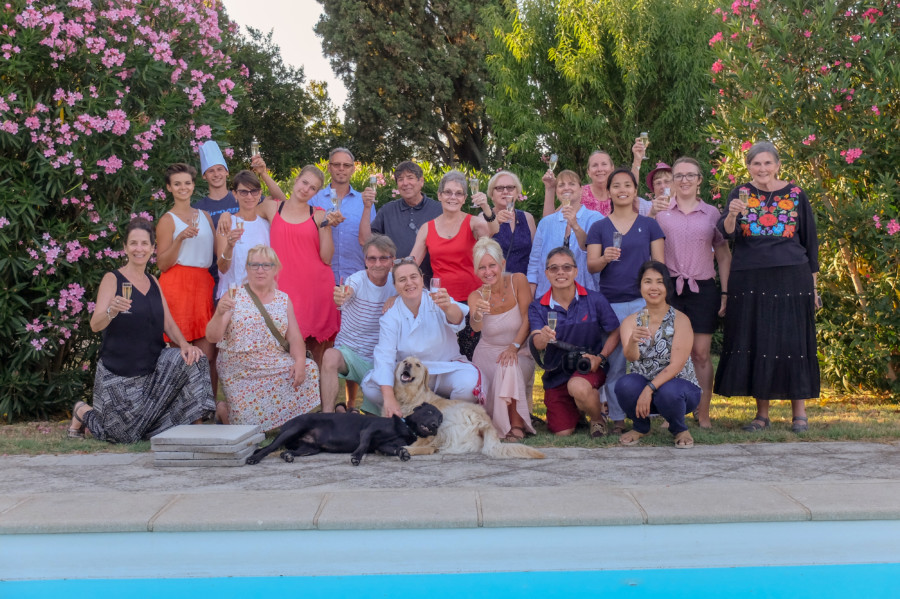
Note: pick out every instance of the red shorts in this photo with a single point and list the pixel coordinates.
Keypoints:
(562, 413)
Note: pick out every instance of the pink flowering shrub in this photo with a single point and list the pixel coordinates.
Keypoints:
(820, 83)
(96, 98)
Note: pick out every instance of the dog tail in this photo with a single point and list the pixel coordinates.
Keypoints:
(492, 447)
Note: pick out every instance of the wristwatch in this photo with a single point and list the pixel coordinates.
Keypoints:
(517, 345)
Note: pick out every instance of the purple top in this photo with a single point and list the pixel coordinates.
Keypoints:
(618, 281)
(516, 245)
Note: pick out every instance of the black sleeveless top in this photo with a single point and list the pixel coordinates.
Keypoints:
(132, 342)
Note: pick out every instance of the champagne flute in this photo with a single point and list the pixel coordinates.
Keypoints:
(566, 199)
(126, 293)
(554, 159)
(373, 181)
(343, 288)
(239, 225)
(486, 293)
(744, 195)
(510, 204)
(551, 322)
(336, 200)
(254, 147)
(434, 286)
(473, 185)
(617, 242)
(644, 318)
(645, 139)
(232, 290)
(195, 220)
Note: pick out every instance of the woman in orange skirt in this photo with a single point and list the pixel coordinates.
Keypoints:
(185, 239)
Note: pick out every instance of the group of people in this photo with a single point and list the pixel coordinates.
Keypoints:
(615, 296)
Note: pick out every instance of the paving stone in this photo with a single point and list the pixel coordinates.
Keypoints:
(241, 454)
(547, 506)
(413, 508)
(244, 510)
(708, 504)
(214, 463)
(83, 512)
(229, 448)
(204, 434)
(848, 500)
(8, 501)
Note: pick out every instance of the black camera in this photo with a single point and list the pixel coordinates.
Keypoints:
(574, 361)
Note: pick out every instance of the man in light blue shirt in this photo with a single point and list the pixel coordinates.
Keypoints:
(348, 254)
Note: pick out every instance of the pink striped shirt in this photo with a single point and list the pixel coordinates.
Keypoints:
(690, 239)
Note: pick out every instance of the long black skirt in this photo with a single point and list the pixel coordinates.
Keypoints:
(769, 350)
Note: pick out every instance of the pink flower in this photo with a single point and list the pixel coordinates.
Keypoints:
(893, 227)
(807, 33)
(876, 111)
(877, 221)
(809, 140)
(837, 108)
(715, 39)
(855, 38)
(851, 155)
(746, 146)
(872, 14)
(3, 221)
(717, 66)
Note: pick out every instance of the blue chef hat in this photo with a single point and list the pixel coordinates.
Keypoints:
(211, 155)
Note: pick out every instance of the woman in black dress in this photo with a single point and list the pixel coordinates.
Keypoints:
(769, 349)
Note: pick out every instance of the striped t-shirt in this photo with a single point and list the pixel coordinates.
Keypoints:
(360, 314)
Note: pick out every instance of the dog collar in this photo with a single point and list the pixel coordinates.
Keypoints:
(411, 429)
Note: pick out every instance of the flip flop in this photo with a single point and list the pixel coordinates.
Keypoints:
(684, 440)
(630, 438)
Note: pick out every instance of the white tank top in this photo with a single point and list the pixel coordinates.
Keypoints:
(196, 251)
(256, 232)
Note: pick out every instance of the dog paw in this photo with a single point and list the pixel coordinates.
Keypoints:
(354, 460)
(403, 454)
(287, 456)
(252, 460)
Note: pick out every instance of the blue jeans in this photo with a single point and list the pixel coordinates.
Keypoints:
(672, 401)
(617, 360)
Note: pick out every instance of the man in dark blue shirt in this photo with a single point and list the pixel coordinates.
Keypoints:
(584, 319)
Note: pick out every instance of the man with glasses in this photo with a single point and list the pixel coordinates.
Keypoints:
(402, 218)
(348, 253)
(361, 302)
(569, 322)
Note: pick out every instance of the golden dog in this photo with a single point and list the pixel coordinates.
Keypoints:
(466, 428)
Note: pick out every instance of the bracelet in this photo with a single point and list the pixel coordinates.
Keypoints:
(652, 387)
(491, 219)
(724, 293)
(108, 315)
(223, 257)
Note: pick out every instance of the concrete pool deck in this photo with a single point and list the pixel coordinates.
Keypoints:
(762, 482)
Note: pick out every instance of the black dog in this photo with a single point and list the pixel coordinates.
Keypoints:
(356, 434)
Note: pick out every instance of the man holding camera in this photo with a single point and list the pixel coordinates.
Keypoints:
(576, 347)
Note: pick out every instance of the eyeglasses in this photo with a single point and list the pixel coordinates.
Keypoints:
(246, 193)
(266, 266)
(555, 268)
(453, 194)
(340, 164)
(687, 176)
(504, 188)
(407, 260)
(374, 259)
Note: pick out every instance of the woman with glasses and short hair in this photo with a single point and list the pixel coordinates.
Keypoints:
(692, 241)
(517, 227)
(247, 230)
(264, 382)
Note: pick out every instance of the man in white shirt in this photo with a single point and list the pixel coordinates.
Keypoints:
(361, 303)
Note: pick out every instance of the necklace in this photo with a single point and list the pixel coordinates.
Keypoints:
(502, 298)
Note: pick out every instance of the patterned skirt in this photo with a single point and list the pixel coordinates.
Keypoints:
(769, 349)
(130, 408)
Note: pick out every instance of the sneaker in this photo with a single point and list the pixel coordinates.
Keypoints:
(598, 429)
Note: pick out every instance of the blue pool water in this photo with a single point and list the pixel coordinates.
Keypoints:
(790, 559)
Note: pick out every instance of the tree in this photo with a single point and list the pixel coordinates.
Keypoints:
(94, 103)
(415, 75)
(293, 120)
(570, 76)
(817, 80)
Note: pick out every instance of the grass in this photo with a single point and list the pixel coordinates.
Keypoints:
(831, 418)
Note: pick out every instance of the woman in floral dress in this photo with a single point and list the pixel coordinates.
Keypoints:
(264, 384)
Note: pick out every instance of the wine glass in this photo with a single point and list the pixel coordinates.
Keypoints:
(195, 220)
(510, 204)
(373, 181)
(232, 290)
(473, 185)
(551, 322)
(486, 293)
(554, 159)
(566, 199)
(239, 225)
(617, 242)
(645, 139)
(254, 147)
(744, 195)
(644, 318)
(126, 293)
(434, 286)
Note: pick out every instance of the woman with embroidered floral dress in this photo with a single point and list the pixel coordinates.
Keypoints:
(769, 349)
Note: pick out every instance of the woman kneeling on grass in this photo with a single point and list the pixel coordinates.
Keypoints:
(657, 344)
(142, 387)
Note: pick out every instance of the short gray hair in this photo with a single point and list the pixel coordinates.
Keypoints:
(761, 147)
(453, 176)
(381, 242)
(339, 150)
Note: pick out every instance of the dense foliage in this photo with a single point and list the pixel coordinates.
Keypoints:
(415, 74)
(571, 76)
(96, 98)
(821, 81)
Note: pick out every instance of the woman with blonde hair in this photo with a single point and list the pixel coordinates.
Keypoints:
(262, 361)
(500, 312)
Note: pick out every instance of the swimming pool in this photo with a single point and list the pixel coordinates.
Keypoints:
(784, 559)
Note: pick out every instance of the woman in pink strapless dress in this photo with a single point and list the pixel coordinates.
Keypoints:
(499, 309)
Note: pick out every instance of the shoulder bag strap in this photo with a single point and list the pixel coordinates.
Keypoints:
(272, 328)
